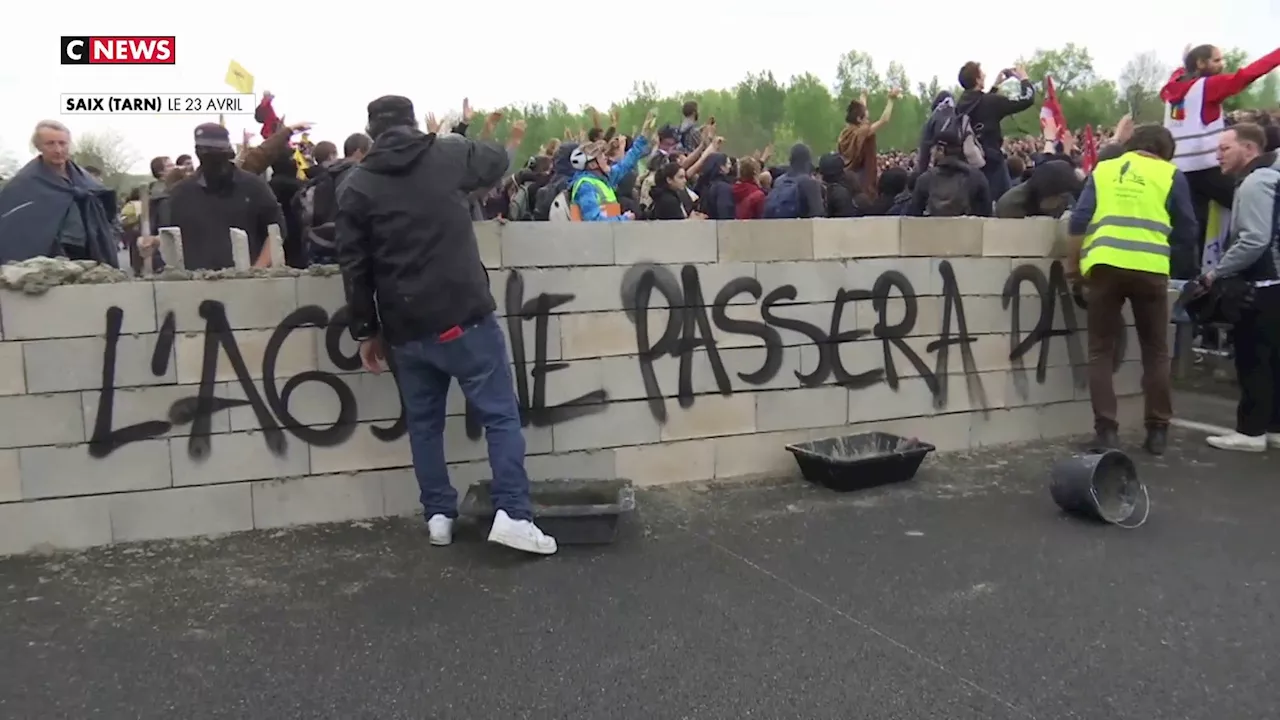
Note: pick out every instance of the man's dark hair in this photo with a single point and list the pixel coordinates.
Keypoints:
(595, 134)
(324, 152)
(1250, 133)
(183, 160)
(689, 109)
(1152, 138)
(1016, 166)
(969, 73)
(855, 113)
(157, 166)
(356, 142)
(1198, 54)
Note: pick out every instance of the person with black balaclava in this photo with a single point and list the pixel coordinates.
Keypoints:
(217, 197)
(419, 298)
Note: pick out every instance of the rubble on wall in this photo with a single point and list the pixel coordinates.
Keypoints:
(37, 275)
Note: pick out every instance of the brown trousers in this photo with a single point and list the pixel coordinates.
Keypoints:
(1148, 295)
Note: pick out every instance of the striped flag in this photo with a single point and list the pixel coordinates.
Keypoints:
(1051, 109)
(1089, 156)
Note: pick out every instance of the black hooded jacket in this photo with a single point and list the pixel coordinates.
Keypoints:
(715, 193)
(840, 203)
(405, 237)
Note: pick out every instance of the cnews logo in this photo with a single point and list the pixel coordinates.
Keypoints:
(117, 50)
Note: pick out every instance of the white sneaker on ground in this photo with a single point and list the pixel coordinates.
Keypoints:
(1239, 443)
(1273, 441)
(440, 529)
(521, 535)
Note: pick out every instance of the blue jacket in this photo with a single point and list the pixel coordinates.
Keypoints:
(588, 199)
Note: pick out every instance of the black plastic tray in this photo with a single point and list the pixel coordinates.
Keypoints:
(574, 512)
(856, 462)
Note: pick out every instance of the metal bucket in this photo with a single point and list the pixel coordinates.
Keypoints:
(1101, 485)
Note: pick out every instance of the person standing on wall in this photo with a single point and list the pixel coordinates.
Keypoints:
(1132, 226)
(1193, 98)
(416, 287)
(1252, 257)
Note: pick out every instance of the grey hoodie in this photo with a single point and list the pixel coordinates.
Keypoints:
(1253, 247)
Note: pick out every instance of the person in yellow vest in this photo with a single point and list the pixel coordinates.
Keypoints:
(1133, 224)
(593, 190)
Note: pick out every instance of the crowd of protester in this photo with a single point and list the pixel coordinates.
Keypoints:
(676, 171)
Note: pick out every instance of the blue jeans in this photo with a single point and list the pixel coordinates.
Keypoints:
(478, 359)
(997, 172)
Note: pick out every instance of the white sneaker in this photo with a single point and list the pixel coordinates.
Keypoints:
(521, 535)
(1239, 443)
(440, 529)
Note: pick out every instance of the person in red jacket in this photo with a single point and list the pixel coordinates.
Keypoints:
(748, 196)
(1193, 99)
(266, 114)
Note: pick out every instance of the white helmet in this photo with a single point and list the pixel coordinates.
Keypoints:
(578, 159)
(585, 153)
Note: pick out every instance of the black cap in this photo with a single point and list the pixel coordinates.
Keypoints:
(212, 136)
(390, 110)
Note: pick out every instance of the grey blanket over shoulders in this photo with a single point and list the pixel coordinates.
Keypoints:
(34, 203)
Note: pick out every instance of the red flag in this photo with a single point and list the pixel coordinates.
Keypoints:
(1089, 156)
(1051, 109)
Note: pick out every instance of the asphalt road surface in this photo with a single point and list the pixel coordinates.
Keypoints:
(964, 594)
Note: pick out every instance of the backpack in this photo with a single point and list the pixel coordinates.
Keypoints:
(783, 201)
(317, 232)
(547, 195)
(948, 193)
(955, 120)
(559, 208)
(521, 204)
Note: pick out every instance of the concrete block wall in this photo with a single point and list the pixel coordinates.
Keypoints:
(757, 334)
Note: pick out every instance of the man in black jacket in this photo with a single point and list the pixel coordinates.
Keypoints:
(414, 281)
(986, 110)
(952, 187)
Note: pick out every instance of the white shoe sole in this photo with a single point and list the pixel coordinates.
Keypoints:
(441, 542)
(1239, 448)
(516, 542)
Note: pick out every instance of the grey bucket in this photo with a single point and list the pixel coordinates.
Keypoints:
(1101, 485)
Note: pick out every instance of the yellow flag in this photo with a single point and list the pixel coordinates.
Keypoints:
(239, 78)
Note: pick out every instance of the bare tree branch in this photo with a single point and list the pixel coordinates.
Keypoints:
(1142, 77)
(107, 150)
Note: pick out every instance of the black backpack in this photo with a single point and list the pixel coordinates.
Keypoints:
(948, 193)
(318, 238)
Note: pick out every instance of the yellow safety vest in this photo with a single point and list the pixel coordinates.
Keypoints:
(1130, 225)
(609, 202)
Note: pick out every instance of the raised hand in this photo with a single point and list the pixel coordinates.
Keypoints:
(467, 112)
(433, 125)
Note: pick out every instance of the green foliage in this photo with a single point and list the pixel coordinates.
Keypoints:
(763, 110)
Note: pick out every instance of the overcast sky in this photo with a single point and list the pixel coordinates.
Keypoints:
(326, 64)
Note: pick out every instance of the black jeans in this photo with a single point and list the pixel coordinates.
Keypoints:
(1257, 345)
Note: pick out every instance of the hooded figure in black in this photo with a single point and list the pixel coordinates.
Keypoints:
(419, 298)
(1049, 192)
(417, 253)
(840, 202)
(715, 193)
(562, 173)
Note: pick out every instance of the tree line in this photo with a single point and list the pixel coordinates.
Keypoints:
(762, 110)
